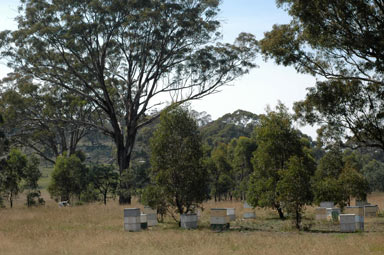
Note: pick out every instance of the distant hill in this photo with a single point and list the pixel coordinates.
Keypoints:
(100, 149)
(231, 125)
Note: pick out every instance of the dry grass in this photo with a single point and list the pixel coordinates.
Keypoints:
(98, 229)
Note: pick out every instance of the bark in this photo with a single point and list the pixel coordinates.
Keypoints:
(105, 198)
(11, 200)
(298, 219)
(280, 211)
(124, 153)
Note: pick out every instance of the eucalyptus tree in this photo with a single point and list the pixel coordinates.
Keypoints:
(177, 170)
(278, 142)
(124, 56)
(339, 42)
(44, 119)
(243, 148)
(4, 146)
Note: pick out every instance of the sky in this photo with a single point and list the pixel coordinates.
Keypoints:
(266, 85)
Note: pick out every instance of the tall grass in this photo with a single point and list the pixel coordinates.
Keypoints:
(98, 229)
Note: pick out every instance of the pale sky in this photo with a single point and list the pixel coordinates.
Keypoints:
(263, 86)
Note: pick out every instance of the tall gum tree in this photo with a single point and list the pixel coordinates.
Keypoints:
(123, 55)
(44, 119)
(341, 43)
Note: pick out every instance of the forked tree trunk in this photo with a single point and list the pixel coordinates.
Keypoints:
(124, 152)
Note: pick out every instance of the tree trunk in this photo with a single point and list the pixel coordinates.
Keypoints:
(124, 145)
(124, 152)
(105, 198)
(10, 200)
(298, 219)
(280, 211)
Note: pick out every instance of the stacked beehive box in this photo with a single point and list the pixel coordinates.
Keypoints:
(219, 219)
(249, 212)
(151, 216)
(361, 203)
(199, 212)
(370, 210)
(132, 221)
(231, 213)
(327, 204)
(347, 223)
(358, 211)
(188, 221)
(321, 213)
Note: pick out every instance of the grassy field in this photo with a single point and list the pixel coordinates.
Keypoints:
(98, 229)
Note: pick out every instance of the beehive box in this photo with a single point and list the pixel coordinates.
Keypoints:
(361, 203)
(347, 223)
(188, 221)
(218, 212)
(149, 210)
(359, 218)
(247, 206)
(249, 215)
(151, 216)
(321, 213)
(219, 219)
(358, 210)
(231, 213)
(132, 220)
(359, 222)
(152, 220)
(327, 204)
(370, 210)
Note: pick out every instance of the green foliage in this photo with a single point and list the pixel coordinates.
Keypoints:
(293, 188)
(374, 172)
(354, 184)
(176, 159)
(43, 119)
(335, 39)
(241, 163)
(153, 196)
(126, 186)
(328, 189)
(4, 143)
(13, 173)
(277, 142)
(220, 171)
(337, 178)
(105, 179)
(229, 126)
(331, 164)
(32, 175)
(113, 55)
(340, 41)
(19, 173)
(3, 149)
(68, 177)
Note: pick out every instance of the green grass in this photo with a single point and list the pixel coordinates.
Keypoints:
(45, 178)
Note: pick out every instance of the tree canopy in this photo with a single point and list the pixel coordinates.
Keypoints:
(277, 141)
(176, 161)
(123, 56)
(340, 42)
(44, 119)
